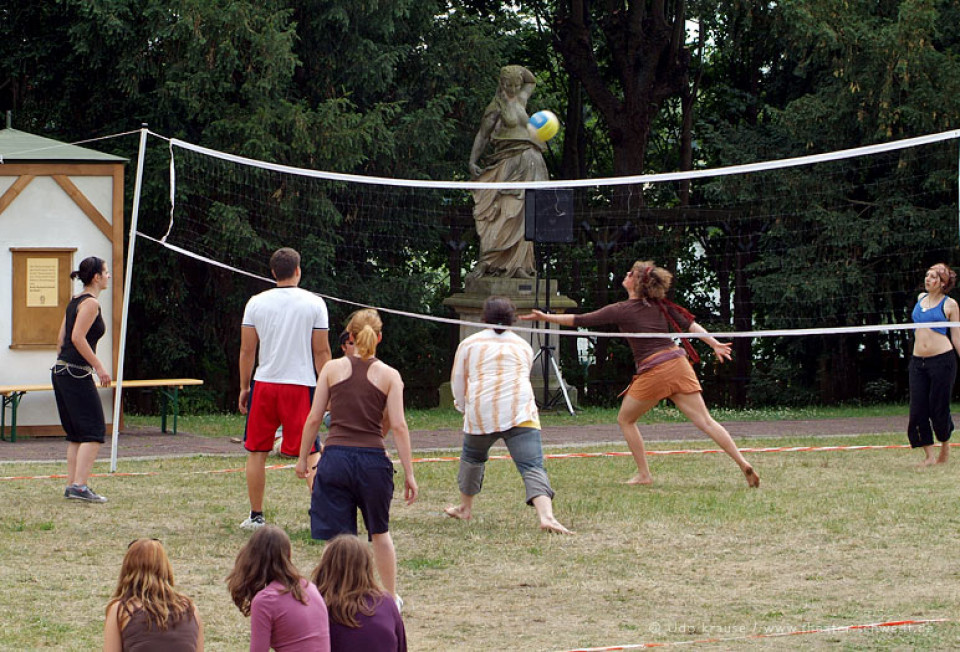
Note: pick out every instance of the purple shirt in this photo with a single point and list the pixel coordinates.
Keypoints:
(280, 621)
(380, 632)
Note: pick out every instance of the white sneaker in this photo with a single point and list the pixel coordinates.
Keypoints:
(253, 523)
(399, 602)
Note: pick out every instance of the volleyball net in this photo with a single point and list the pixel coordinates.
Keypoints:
(828, 241)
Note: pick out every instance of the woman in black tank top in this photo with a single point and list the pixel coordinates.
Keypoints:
(81, 412)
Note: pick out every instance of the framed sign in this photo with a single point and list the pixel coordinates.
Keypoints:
(41, 291)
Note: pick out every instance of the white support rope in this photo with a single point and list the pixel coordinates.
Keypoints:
(875, 328)
(579, 183)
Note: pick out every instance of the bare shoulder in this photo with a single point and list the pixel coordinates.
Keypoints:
(950, 306)
(388, 374)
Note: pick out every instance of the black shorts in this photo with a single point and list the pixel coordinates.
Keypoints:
(351, 478)
(78, 402)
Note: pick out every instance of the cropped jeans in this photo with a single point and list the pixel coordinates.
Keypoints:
(931, 387)
(525, 449)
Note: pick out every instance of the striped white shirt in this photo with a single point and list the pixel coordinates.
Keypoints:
(491, 382)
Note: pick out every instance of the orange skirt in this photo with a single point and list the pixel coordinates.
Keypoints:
(674, 376)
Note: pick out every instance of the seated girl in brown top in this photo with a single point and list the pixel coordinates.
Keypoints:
(662, 368)
(146, 612)
(366, 401)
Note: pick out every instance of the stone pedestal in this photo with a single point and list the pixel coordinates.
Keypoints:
(525, 296)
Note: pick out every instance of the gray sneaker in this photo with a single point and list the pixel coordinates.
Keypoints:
(253, 523)
(84, 493)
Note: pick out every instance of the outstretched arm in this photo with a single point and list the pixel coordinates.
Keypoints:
(536, 315)
(720, 349)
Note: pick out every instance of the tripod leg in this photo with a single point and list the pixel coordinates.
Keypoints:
(563, 386)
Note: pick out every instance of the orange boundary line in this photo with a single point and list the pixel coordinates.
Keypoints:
(824, 630)
(554, 456)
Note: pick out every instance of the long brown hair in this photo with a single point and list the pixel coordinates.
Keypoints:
(146, 582)
(345, 579)
(264, 559)
(365, 326)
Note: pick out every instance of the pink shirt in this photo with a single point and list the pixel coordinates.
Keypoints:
(280, 621)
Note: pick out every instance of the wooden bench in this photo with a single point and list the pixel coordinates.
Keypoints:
(169, 389)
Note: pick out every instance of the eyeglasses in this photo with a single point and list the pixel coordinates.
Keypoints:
(142, 539)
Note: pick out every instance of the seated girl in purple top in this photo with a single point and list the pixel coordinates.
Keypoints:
(362, 615)
(286, 611)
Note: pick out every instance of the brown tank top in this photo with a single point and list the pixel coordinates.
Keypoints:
(356, 409)
(140, 635)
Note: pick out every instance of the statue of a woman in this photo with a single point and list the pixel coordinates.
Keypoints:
(516, 155)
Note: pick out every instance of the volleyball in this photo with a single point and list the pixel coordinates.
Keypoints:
(546, 125)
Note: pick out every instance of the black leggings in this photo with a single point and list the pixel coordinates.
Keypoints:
(931, 386)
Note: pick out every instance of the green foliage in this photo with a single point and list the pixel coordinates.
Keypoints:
(396, 89)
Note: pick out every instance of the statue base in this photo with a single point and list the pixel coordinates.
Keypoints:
(526, 295)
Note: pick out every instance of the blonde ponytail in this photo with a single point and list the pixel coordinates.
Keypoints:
(365, 327)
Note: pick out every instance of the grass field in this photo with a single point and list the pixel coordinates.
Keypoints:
(831, 539)
(223, 425)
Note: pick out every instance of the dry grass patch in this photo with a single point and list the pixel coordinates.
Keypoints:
(832, 539)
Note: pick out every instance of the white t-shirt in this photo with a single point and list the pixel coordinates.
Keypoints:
(285, 319)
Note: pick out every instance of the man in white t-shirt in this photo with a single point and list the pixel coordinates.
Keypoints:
(290, 326)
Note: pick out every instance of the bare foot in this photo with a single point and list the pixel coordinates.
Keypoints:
(929, 461)
(944, 453)
(752, 478)
(457, 513)
(553, 526)
(640, 479)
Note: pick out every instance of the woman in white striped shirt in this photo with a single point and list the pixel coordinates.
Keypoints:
(491, 387)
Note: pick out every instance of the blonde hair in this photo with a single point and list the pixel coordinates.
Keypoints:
(650, 281)
(146, 582)
(345, 579)
(365, 327)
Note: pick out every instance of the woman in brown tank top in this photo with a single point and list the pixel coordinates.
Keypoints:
(146, 611)
(354, 473)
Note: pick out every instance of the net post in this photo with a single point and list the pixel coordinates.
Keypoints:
(128, 275)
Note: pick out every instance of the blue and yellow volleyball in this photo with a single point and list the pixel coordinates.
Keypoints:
(546, 125)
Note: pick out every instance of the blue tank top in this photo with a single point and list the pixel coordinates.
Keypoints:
(933, 314)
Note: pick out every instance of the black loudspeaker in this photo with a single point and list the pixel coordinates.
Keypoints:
(548, 215)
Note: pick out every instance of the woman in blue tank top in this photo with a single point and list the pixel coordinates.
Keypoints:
(933, 366)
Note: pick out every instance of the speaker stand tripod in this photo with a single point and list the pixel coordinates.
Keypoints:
(548, 361)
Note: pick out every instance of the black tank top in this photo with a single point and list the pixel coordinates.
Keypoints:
(356, 409)
(68, 352)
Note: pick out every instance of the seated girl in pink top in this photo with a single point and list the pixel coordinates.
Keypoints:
(286, 611)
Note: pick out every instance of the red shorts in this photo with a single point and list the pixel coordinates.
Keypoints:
(273, 405)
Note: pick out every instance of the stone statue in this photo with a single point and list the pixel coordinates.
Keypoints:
(516, 155)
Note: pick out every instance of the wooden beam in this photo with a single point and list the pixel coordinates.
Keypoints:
(85, 205)
(14, 190)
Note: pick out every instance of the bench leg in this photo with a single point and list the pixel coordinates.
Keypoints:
(14, 402)
(169, 399)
